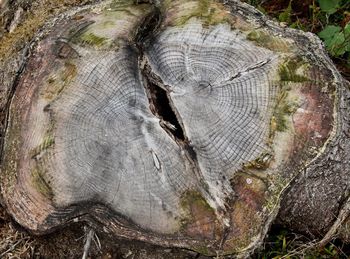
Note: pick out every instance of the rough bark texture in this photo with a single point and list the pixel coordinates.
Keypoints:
(316, 197)
(179, 124)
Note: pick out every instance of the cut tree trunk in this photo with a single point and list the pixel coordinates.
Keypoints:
(179, 123)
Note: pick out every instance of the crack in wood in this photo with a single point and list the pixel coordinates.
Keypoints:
(159, 103)
(251, 68)
(162, 106)
(157, 92)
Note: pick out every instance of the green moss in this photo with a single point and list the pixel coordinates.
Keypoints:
(247, 222)
(261, 163)
(58, 81)
(120, 4)
(47, 142)
(283, 109)
(107, 24)
(189, 200)
(288, 72)
(208, 11)
(266, 40)
(256, 36)
(118, 23)
(120, 12)
(277, 185)
(91, 39)
(39, 182)
(291, 71)
(39, 173)
(203, 8)
(69, 73)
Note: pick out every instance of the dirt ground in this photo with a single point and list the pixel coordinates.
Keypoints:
(69, 242)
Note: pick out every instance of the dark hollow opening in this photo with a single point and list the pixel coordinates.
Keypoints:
(161, 107)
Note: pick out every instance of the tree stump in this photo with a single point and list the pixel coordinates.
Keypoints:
(177, 123)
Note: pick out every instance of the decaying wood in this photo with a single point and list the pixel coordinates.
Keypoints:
(317, 200)
(179, 123)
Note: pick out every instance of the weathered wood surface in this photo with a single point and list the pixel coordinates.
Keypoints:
(179, 124)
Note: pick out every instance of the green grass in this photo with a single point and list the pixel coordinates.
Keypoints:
(281, 243)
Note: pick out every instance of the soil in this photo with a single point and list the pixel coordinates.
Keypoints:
(16, 242)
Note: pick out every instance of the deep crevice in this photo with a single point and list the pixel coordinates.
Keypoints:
(160, 106)
(157, 92)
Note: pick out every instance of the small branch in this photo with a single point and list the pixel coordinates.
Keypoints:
(87, 245)
(12, 247)
(97, 241)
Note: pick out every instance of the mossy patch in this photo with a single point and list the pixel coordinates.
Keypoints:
(59, 80)
(277, 184)
(208, 11)
(291, 71)
(263, 39)
(77, 30)
(127, 8)
(283, 110)
(38, 177)
(203, 249)
(190, 198)
(35, 18)
(200, 219)
(39, 157)
(87, 37)
(260, 163)
(121, 4)
(47, 142)
(93, 40)
(107, 24)
(108, 29)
